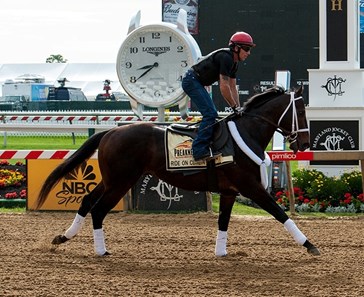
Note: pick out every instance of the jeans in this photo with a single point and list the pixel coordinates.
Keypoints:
(199, 96)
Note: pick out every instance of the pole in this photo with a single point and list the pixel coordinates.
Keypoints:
(290, 188)
(161, 114)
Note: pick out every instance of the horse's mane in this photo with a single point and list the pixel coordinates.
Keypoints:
(259, 99)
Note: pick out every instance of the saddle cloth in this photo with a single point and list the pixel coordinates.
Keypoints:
(178, 147)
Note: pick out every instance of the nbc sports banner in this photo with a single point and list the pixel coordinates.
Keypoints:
(69, 192)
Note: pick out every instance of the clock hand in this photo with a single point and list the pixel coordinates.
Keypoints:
(148, 69)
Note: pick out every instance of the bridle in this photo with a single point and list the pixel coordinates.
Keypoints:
(290, 136)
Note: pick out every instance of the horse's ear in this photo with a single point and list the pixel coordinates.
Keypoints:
(299, 91)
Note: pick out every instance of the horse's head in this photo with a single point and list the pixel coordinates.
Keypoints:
(276, 110)
(293, 123)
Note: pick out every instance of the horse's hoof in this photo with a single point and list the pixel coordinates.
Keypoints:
(314, 251)
(221, 254)
(59, 239)
(104, 254)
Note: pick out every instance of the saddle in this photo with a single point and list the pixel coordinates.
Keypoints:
(219, 139)
(179, 137)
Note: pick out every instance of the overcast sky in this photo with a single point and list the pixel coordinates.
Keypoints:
(82, 31)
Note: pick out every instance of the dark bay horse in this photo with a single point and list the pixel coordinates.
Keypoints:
(127, 152)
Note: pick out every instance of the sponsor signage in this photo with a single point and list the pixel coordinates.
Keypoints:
(69, 192)
(277, 156)
(171, 8)
(334, 136)
(153, 194)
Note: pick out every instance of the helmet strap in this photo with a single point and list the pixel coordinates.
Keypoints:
(232, 47)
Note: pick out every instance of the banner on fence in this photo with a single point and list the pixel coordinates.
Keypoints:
(69, 192)
(290, 156)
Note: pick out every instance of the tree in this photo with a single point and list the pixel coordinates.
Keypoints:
(56, 59)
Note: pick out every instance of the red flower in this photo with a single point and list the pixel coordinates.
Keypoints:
(12, 195)
(4, 162)
(313, 201)
(279, 194)
(347, 200)
(306, 200)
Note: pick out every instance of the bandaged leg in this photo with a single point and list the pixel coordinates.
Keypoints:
(75, 227)
(99, 242)
(221, 242)
(296, 233)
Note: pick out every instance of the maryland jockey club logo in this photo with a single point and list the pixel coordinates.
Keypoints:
(333, 139)
(333, 86)
(165, 191)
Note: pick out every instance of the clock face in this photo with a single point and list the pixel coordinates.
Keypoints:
(151, 63)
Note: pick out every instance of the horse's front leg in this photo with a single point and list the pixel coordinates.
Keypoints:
(87, 203)
(226, 206)
(267, 202)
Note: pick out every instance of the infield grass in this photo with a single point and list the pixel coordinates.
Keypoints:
(42, 142)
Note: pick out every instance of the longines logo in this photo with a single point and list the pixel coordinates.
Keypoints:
(77, 184)
(333, 139)
(333, 86)
(156, 51)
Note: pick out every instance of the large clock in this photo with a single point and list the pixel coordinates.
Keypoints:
(152, 60)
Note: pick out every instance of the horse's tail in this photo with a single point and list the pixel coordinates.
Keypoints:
(85, 152)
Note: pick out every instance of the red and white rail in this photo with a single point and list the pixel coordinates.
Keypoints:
(37, 154)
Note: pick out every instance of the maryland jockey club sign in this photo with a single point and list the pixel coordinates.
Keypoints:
(334, 136)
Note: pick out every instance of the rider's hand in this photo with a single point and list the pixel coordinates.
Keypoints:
(238, 110)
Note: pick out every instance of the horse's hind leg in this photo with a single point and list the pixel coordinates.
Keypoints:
(107, 202)
(87, 203)
(225, 208)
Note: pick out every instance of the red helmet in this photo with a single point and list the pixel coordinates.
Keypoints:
(242, 38)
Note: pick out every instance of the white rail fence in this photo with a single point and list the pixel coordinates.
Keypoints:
(87, 117)
(64, 123)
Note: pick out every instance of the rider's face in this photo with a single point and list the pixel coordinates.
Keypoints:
(244, 52)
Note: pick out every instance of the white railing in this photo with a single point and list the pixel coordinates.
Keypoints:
(86, 117)
(25, 123)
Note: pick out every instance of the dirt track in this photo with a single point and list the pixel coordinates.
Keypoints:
(173, 255)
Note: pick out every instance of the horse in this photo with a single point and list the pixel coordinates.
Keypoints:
(127, 152)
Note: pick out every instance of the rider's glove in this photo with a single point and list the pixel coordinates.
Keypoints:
(238, 110)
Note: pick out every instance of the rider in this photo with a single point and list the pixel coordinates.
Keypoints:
(220, 65)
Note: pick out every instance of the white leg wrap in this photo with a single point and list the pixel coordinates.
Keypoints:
(99, 242)
(75, 227)
(221, 241)
(296, 233)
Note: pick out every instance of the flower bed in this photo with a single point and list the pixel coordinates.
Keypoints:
(13, 191)
(315, 192)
